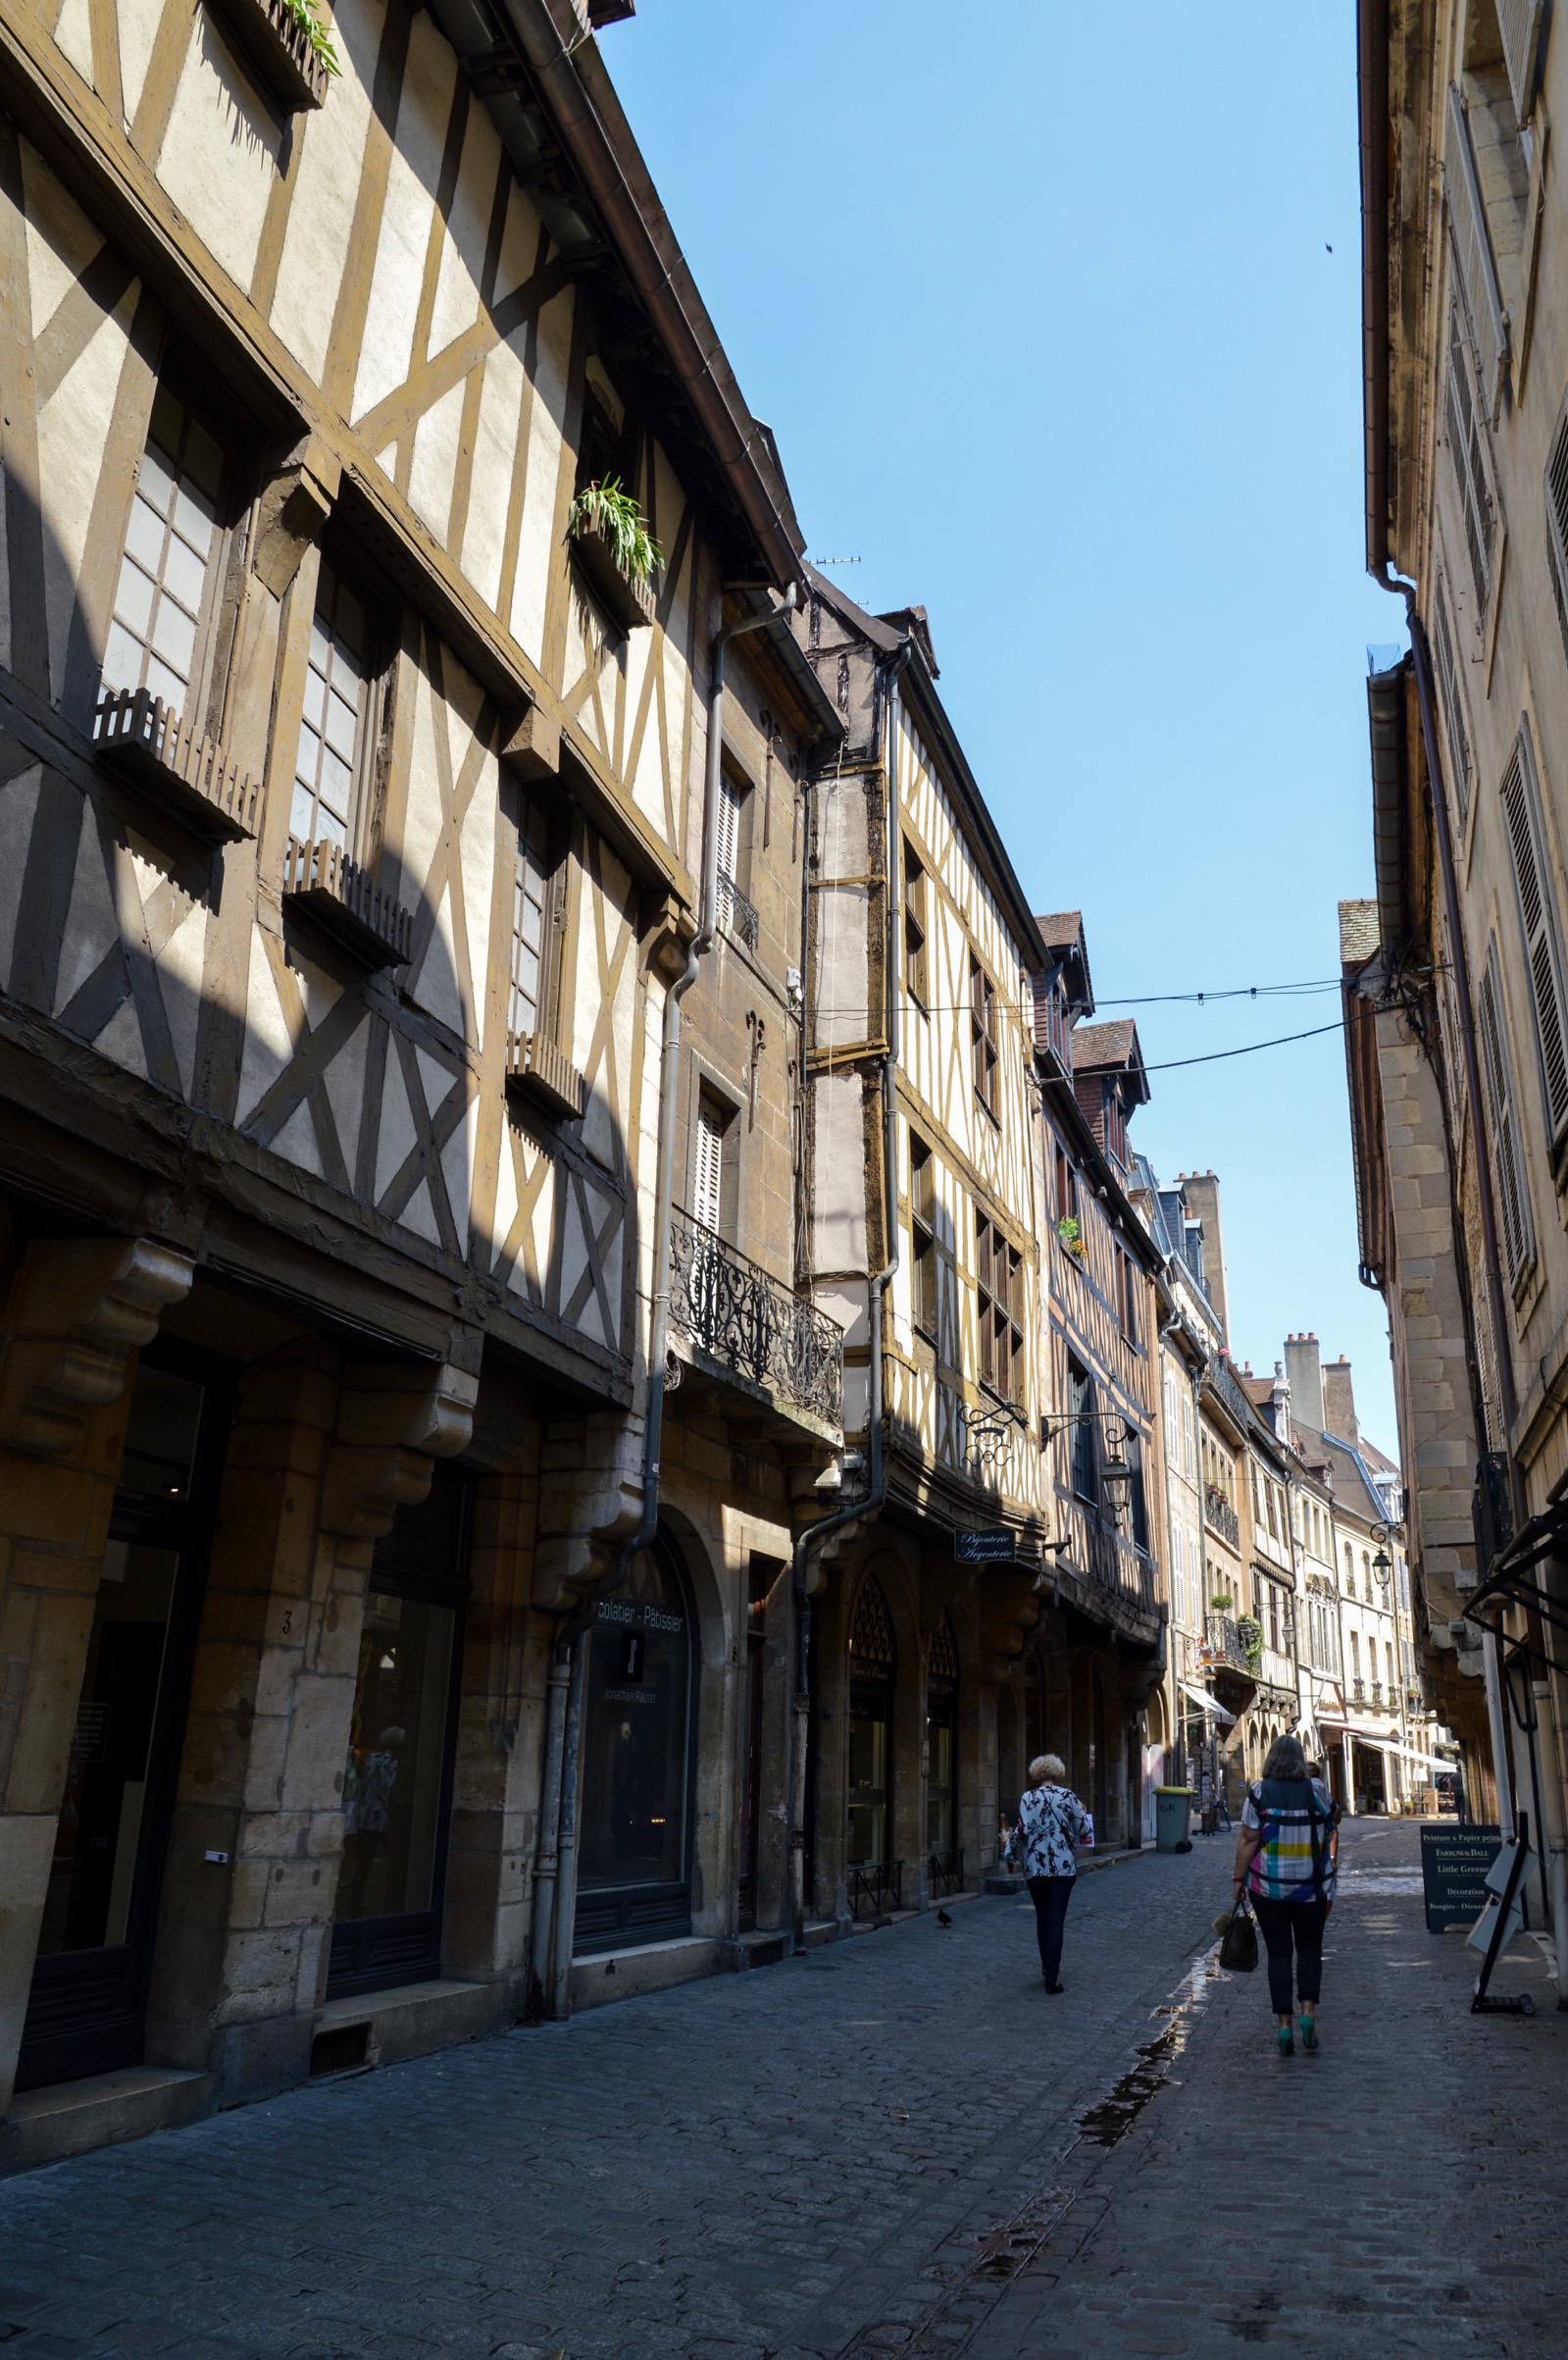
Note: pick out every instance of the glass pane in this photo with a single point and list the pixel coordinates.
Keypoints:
(133, 598)
(184, 573)
(161, 1438)
(397, 1750)
(635, 1736)
(87, 1906)
(868, 1786)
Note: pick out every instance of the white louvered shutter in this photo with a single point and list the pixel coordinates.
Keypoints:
(1467, 461)
(708, 1186)
(729, 831)
(1521, 804)
(1472, 246)
(1519, 22)
(1518, 1231)
(1453, 712)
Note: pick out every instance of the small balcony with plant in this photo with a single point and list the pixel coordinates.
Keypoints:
(615, 552)
(1220, 1516)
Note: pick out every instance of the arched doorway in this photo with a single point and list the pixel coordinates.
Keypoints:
(874, 1879)
(945, 1863)
(639, 1722)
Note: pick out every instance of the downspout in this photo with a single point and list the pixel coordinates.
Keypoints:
(569, 1674)
(870, 1503)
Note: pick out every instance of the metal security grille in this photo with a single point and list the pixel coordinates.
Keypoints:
(326, 767)
(871, 1641)
(943, 1667)
(162, 597)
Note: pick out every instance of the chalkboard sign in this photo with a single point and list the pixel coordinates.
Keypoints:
(1454, 1872)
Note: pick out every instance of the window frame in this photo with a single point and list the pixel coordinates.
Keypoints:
(916, 929)
(924, 1283)
(999, 1291)
(1082, 1459)
(984, 1044)
(372, 727)
(204, 687)
(550, 865)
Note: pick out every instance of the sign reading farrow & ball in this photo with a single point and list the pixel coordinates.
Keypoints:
(987, 1548)
(1454, 1872)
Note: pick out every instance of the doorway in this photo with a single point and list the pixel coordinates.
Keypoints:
(872, 1677)
(87, 2004)
(762, 1574)
(638, 1744)
(944, 1862)
(397, 1776)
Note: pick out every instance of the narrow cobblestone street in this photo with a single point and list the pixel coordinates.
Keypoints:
(881, 2148)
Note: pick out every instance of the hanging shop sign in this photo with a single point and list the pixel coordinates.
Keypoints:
(988, 1548)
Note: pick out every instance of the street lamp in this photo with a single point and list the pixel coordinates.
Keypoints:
(1383, 1566)
(1116, 1475)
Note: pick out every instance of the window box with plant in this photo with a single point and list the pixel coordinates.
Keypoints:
(1070, 1237)
(618, 555)
(289, 44)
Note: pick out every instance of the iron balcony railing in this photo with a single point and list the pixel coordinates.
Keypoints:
(1220, 1516)
(945, 1875)
(741, 1316)
(737, 913)
(1226, 1643)
(875, 1886)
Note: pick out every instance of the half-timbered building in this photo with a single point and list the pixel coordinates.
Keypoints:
(354, 818)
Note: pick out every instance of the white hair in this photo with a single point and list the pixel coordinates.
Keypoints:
(1047, 1770)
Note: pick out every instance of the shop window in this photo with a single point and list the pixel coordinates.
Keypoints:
(942, 1739)
(168, 593)
(100, 1912)
(873, 1674)
(639, 1706)
(398, 1771)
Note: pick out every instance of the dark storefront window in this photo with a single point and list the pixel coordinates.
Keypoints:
(941, 1741)
(639, 1699)
(397, 1776)
(100, 1912)
(873, 1677)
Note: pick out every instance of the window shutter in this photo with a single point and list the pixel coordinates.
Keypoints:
(729, 832)
(1519, 22)
(1521, 803)
(1557, 524)
(1472, 247)
(1518, 1236)
(1454, 711)
(1469, 467)
(708, 1186)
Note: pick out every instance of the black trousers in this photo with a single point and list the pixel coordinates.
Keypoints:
(1050, 1896)
(1281, 1923)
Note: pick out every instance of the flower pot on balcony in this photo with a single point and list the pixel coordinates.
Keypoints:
(628, 599)
(276, 45)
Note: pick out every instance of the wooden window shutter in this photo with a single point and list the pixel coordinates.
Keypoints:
(1518, 1233)
(1519, 22)
(1469, 466)
(1453, 712)
(730, 798)
(1521, 804)
(707, 1189)
(1472, 247)
(1557, 522)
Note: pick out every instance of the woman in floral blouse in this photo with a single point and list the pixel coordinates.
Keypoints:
(1050, 1826)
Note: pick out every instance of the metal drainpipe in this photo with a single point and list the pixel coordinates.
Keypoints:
(570, 1647)
(871, 1501)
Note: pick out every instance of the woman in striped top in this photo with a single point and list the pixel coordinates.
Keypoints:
(1286, 1851)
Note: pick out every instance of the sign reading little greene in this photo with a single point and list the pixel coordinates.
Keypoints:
(1454, 1873)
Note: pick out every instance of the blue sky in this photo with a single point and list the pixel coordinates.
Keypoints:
(1044, 318)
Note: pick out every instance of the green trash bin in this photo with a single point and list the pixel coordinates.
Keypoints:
(1172, 1806)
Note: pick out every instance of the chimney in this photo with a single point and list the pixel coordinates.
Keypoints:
(1202, 1192)
(1338, 1401)
(1305, 1372)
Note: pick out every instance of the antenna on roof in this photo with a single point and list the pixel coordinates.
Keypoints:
(836, 561)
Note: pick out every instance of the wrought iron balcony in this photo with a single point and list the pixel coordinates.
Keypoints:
(737, 913)
(1220, 1516)
(1227, 1644)
(739, 1315)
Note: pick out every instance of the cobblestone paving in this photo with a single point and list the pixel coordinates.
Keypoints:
(877, 2149)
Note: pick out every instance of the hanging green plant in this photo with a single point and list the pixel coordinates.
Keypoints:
(1251, 1632)
(317, 28)
(610, 510)
(1067, 1230)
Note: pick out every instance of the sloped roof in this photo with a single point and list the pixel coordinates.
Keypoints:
(1062, 929)
(1110, 1047)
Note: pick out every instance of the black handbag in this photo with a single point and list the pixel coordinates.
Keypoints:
(1239, 1952)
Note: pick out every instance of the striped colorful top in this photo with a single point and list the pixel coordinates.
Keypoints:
(1283, 1811)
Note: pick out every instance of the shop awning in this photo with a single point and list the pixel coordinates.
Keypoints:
(1430, 1762)
(1371, 1731)
(1210, 1704)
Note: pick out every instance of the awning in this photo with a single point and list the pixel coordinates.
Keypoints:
(1210, 1704)
(1430, 1762)
(1372, 1732)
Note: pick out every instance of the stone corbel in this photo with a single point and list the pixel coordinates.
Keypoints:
(393, 1422)
(294, 507)
(80, 1308)
(667, 929)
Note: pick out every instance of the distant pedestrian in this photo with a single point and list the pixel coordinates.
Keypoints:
(1052, 1823)
(1287, 1854)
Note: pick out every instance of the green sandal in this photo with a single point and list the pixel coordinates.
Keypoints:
(1309, 2033)
(1287, 2044)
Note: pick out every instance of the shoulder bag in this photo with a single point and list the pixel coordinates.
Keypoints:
(1239, 1952)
